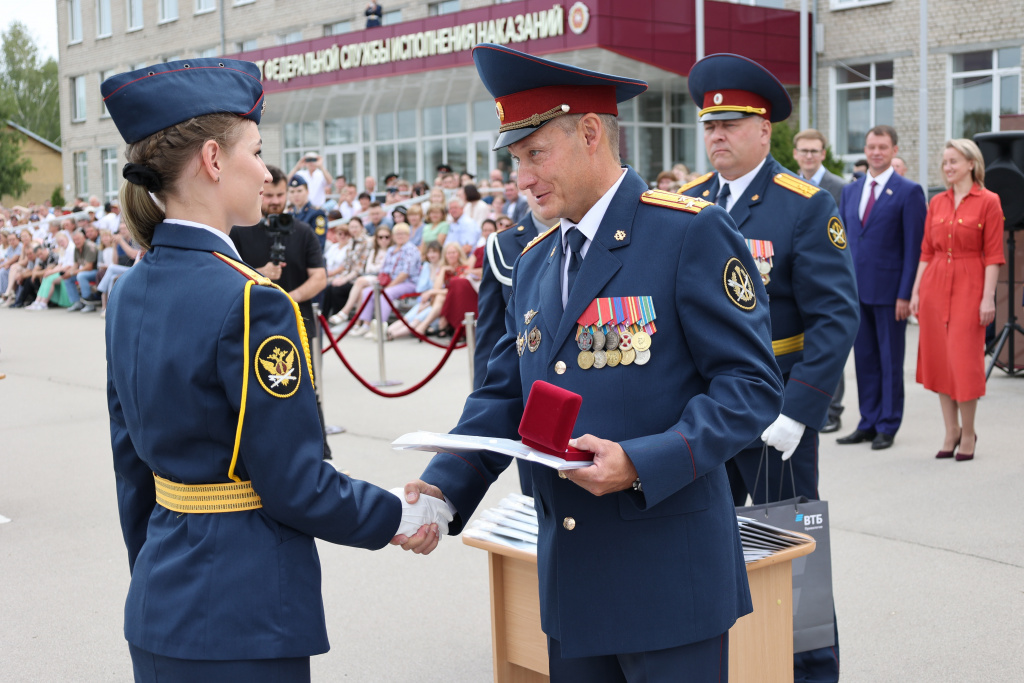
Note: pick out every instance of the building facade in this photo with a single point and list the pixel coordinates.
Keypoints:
(403, 97)
(46, 172)
(868, 57)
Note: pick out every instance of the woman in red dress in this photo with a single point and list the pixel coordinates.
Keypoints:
(954, 293)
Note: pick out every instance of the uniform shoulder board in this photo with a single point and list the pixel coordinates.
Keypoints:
(540, 238)
(671, 200)
(697, 181)
(244, 270)
(794, 184)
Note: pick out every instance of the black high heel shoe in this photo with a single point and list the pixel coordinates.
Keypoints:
(949, 454)
(961, 456)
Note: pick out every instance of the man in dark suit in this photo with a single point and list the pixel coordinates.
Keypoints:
(884, 216)
(621, 598)
(809, 150)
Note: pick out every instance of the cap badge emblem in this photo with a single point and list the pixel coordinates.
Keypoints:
(718, 98)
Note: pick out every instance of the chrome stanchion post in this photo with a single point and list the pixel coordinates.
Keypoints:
(381, 332)
(316, 351)
(469, 322)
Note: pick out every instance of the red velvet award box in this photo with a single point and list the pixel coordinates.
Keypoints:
(548, 420)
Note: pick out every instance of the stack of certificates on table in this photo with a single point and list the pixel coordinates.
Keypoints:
(514, 524)
(761, 540)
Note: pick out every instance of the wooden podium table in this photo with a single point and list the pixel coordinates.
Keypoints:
(760, 644)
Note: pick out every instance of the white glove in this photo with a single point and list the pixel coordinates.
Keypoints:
(426, 510)
(784, 434)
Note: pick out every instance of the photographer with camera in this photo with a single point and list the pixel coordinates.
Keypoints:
(287, 251)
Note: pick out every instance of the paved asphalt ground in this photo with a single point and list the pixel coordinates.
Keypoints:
(928, 555)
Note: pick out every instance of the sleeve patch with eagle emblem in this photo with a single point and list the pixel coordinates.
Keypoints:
(738, 285)
(836, 233)
(277, 368)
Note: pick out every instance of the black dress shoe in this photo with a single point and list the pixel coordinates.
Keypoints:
(881, 442)
(857, 436)
(834, 424)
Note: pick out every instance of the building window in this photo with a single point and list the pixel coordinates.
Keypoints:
(657, 130)
(111, 179)
(204, 6)
(337, 28)
(863, 98)
(103, 18)
(104, 75)
(209, 52)
(134, 18)
(849, 4)
(81, 175)
(983, 86)
(74, 21)
(247, 45)
(435, 9)
(392, 17)
(300, 138)
(168, 10)
(78, 98)
(287, 38)
(236, 3)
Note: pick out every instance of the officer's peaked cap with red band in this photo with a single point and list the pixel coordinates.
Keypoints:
(727, 86)
(152, 98)
(529, 91)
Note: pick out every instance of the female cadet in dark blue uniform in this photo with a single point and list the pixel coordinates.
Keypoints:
(217, 447)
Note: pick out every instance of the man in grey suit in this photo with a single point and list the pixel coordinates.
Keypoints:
(809, 147)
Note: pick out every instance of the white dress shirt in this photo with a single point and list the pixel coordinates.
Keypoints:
(588, 225)
(882, 178)
(739, 186)
(227, 240)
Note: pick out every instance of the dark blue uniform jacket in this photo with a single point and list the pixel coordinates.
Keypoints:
(636, 571)
(231, 585)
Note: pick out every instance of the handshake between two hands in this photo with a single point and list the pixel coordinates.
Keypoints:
(425, 517)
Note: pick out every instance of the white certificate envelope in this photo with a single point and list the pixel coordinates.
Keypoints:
(460, 443)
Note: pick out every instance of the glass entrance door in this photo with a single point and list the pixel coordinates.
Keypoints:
(345, 160)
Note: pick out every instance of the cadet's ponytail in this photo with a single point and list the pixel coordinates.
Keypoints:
(157, 162)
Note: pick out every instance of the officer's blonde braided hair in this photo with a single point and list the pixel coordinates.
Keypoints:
(168, 153)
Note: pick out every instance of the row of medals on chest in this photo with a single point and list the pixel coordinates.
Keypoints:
(605, 346)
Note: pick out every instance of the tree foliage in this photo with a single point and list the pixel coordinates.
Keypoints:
(13, 166)
(28, 85)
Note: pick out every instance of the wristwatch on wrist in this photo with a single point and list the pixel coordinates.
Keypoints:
(637, 486)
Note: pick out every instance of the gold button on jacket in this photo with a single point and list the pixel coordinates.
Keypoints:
(569, 523)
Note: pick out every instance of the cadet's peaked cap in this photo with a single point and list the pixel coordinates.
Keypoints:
(727, 86)
(152, 98)
(297, 181)
(530, 91)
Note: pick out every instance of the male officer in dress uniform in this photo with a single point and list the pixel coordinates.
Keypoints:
(298, 196)
(495, 290)
(643, 303)
(799, 243)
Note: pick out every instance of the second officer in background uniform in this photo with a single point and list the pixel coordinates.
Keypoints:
(794, 234)
(500, 254)
(298, 197)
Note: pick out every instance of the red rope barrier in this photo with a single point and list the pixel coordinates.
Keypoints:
(412, 330)
(405, 392)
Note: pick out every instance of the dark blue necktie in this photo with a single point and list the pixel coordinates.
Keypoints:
(576, 241)
(723, 197)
